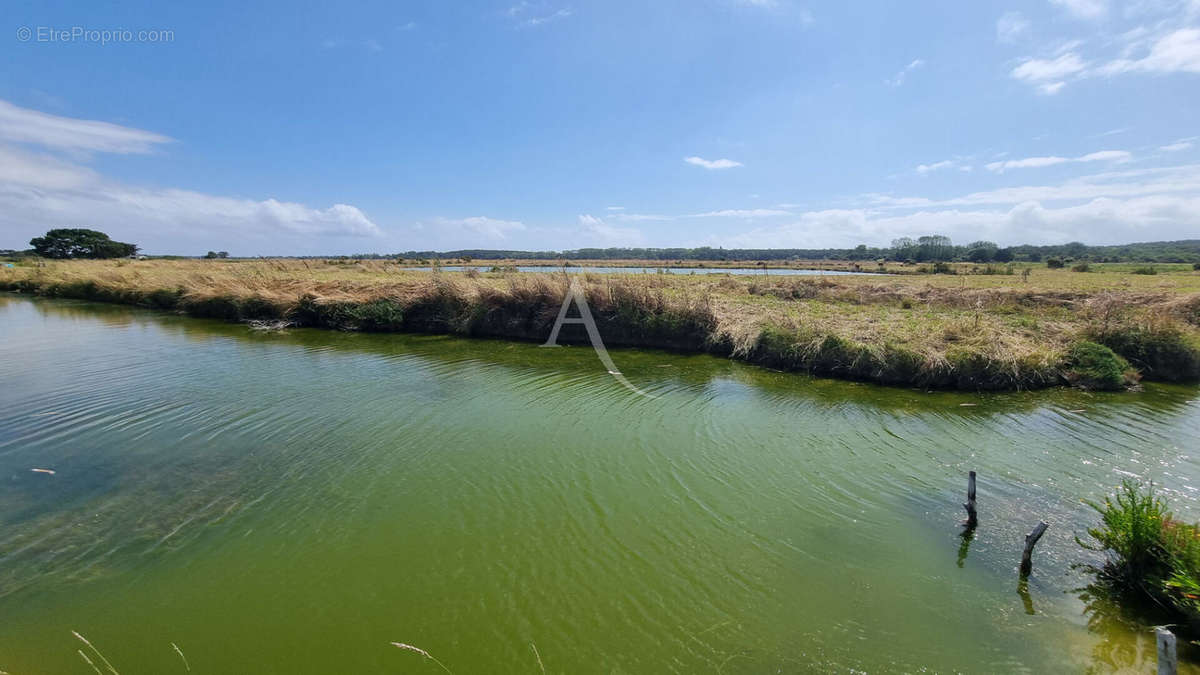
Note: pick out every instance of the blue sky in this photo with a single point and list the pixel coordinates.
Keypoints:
(311, 128)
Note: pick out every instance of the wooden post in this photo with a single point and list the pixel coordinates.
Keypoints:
(972, 518)
(1168, 664)
(1031, 540)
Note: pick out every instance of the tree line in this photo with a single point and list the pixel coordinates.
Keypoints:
(84, 243)
(930, 248)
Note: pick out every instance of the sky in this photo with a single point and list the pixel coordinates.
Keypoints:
(305, 128)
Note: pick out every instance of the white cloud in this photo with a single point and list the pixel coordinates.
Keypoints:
(1027, 163)
(900, 76)
(22, 125)
(639, 217)
(547, 18)
(530, 15)
(1084, 9)
(925, 169)
(39, 191)
(160, 219)
(1179, 145)
(1177, 180)
(1176, 52)
(1106, 156)
(1159, 47)
(598, 231)
(1011, 27)
(1039, 162)
(1100, 220)
(741, 213)
(1048, 74)
(615, 208)
(481, 226)
(711, 164)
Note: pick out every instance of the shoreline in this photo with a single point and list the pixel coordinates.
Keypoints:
(810, 325)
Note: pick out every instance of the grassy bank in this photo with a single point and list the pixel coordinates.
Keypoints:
(1104, 328)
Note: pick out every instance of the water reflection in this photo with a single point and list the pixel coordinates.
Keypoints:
(513, 494)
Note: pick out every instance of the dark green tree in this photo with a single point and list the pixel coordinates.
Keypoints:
(80, 243)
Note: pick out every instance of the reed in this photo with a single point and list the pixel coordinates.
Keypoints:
(422, 652)
(964, 331)
(91, 646)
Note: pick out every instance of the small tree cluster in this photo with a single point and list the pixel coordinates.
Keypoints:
(80, 243)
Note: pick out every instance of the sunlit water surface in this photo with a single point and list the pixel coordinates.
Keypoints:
(294, 502)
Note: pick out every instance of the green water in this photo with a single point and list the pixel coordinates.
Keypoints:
(294, 502)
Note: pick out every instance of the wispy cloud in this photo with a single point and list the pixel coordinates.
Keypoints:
(1048, 74)
(639, 217)
(531, 15)
(900, 76)
(481, 226)
(1176, 52)
(547, 18)
(22, 125)
(925, 169)
(40, 190)
(740, 213)
(712, 164)
(1179, 145)
(1083, 9)
(1108, 207)
(1167, 41)
(1039, 162)
(1011, 27)
(595, 229)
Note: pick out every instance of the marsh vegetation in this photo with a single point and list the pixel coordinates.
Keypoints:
(1104, 329)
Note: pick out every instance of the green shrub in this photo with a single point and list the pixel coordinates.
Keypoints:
(1132, 532)
(1159, 352)
(1196, 266)
(1145, 270)
(1081, 267)
(1153, 560)
(1094, 366)
(1054, 263)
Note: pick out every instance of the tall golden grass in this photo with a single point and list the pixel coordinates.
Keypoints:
(946, 331)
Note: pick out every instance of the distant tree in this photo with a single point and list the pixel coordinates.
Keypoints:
(80, 243)
(210, 255)
(982, 251)
(1054, 263)
(222, 254)
(934, 247)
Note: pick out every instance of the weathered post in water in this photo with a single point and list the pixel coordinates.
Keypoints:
(1168, 664)
(972, 518)
(1031, 540)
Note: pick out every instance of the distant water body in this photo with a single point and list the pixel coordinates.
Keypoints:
(771, 271)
